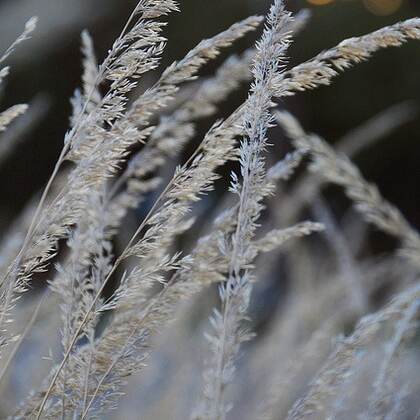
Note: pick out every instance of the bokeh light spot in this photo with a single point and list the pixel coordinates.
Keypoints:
(383, 7)
(320, 2)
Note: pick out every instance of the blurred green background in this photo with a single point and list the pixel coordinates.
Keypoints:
(49, 65)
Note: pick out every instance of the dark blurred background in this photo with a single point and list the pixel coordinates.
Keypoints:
(48, 69)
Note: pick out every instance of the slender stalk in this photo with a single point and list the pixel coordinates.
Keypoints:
(74, 131)
(101, 289)
(89, 367)
(133, 332)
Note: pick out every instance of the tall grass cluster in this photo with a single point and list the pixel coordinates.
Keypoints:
(175, 291)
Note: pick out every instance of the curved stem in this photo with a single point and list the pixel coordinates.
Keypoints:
(134, 330)
(74, 131)
(101, 289)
